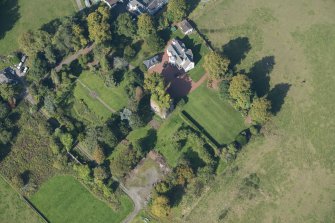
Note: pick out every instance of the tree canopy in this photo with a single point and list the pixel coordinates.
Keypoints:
(160, 206)
(260, 110)
(146, 26)
(125, 25)
(98, 25)
(216, 65)
(176, 10)
(240, 91)
(154, 83)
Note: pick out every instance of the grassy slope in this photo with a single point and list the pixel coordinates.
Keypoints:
(219, 119)
(32, 14)
(115, 97)
(12, 208)
(295, 160)
(64, 199)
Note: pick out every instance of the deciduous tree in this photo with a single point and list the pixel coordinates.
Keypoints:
(239, 90)
(260, 110)
(177, 10)
(100, 173)
(98, 25)
(216, 65)
(67, 140)
(125, 25)
(146, 26)
(99, 155)
(160, 206)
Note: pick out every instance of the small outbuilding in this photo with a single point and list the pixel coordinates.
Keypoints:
(185, 27)
(152, 61)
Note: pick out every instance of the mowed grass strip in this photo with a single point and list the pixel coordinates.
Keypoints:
(12, 207)
(64, 199)
(216, 116)
(18, 16)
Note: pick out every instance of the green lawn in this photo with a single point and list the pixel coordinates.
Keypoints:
(115, 97)
(216, 116)
(64, 199)
(18, 16)
(12, 207)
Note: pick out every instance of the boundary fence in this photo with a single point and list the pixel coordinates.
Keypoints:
(26, 201)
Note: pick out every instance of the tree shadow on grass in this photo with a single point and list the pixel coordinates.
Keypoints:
(260, 75)
(235, 50)
(277, 96)
(192, 5)
(9, 14)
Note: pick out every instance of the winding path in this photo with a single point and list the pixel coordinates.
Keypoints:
(137, 203)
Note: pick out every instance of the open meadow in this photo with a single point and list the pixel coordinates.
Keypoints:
(64, 199)
(18, 16)
(287, 48)
(12, 207)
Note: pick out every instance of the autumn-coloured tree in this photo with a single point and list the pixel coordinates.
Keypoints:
(98, 25)
(216, 65)
(183, 174)
(240, 91)
(260, 110)
(160, 206)
(99, 155)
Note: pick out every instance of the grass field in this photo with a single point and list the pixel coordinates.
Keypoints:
(64, 199)
(12, 207)
(18, 16)
(216, 116)
(295, 159)
(115, 97)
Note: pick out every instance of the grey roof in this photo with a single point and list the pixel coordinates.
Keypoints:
(185, 26)
(182, 56)
(150, 6)
(152, 61)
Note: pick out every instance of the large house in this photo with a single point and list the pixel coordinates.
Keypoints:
(146, 6)
(179, 55)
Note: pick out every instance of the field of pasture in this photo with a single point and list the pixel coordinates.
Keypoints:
(18, 16)
(287, 48)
